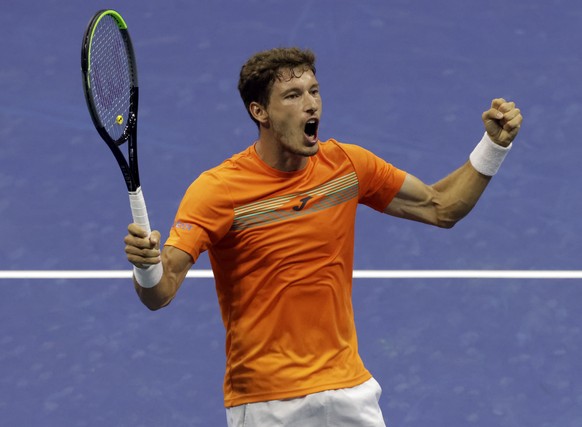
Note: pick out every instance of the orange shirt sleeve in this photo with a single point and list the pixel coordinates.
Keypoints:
(379, 181)
(204, 216)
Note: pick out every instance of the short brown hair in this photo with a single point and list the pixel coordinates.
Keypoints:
(259, 73)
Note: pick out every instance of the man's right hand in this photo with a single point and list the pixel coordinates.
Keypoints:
(142, 250)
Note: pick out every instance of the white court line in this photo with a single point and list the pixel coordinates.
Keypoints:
(358, 274)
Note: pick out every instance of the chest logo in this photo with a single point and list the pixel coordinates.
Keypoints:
(303, 203)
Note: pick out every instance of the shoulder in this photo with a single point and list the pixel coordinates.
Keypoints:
(235, 163)
(229, 169)
(366, 164)
(213, 182)
(352, 153)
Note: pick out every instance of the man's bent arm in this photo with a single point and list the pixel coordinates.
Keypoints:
(442, 204)
(446, 202)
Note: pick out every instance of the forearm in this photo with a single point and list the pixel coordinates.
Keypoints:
(157, 294)
(457, 194)
(157, 297)
(449, 200)
(461, 190)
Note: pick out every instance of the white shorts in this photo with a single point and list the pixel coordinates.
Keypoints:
(347, 407)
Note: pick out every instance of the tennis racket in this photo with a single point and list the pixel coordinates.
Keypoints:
(111, 91)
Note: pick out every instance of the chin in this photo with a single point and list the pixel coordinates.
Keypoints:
(311, 151)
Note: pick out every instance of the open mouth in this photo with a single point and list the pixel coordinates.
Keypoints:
(311, 128)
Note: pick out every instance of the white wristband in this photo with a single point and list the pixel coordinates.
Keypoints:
(148, 277)
(487, 156)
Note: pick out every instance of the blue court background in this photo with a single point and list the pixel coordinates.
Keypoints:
(406, 79)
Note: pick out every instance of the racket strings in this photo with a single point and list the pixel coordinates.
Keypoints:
(110, 76)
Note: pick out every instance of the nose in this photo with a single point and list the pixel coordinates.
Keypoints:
(311, 103)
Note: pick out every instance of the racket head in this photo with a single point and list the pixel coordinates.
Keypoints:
(110, 76)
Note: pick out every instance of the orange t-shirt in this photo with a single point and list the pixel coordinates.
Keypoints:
(281, 245)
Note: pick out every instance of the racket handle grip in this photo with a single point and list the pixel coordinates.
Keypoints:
(138, 210)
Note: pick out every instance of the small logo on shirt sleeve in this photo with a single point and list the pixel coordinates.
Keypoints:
(183, 225)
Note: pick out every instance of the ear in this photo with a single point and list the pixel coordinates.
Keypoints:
(259, 113)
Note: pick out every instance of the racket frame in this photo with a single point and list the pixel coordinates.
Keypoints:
(129, 168)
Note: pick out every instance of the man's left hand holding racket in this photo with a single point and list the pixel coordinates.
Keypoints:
(111, 91)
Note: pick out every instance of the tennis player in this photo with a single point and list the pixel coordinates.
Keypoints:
(278, 222)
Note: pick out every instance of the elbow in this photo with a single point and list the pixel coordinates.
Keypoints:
(449, 221)
(152, 306)
(446, 224)
(449, 217)
(155, 304)
(152, 299)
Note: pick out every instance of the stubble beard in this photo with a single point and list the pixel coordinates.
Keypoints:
(294, 143)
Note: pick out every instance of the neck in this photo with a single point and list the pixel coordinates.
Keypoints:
(277, 157)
